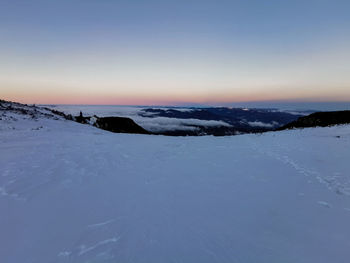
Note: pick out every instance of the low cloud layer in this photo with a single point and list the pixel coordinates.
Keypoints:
(152, 124)
(263, 124)
(159, 124)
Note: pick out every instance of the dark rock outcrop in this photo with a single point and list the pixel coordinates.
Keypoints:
(82, 119)
(120, 125)
(320, 119)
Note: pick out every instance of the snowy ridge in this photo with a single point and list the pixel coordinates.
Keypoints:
(74, 193)
(21, 116)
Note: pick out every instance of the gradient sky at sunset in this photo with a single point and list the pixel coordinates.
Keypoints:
(174, 52)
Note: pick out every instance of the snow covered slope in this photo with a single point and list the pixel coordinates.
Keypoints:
(73, 193)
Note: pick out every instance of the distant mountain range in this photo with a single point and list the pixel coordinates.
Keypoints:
(229, 121)
(218, 121)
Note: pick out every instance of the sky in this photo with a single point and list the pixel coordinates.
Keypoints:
(174, 52)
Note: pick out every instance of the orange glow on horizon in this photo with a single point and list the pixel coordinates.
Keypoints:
(165, 100)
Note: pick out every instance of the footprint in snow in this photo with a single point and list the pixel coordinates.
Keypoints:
(64, 254)
(325, 204)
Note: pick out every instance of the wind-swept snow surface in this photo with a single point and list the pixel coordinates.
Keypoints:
(73, 193)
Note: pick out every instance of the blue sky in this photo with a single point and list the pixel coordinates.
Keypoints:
(170, 52)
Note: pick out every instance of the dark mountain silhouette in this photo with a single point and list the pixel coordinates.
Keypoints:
(120, 125)
(320, 119)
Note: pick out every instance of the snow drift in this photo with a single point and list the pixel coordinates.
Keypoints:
(73, 193)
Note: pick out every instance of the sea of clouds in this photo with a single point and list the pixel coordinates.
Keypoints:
(148, 120)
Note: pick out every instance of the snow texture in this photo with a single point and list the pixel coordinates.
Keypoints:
(73, 193)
